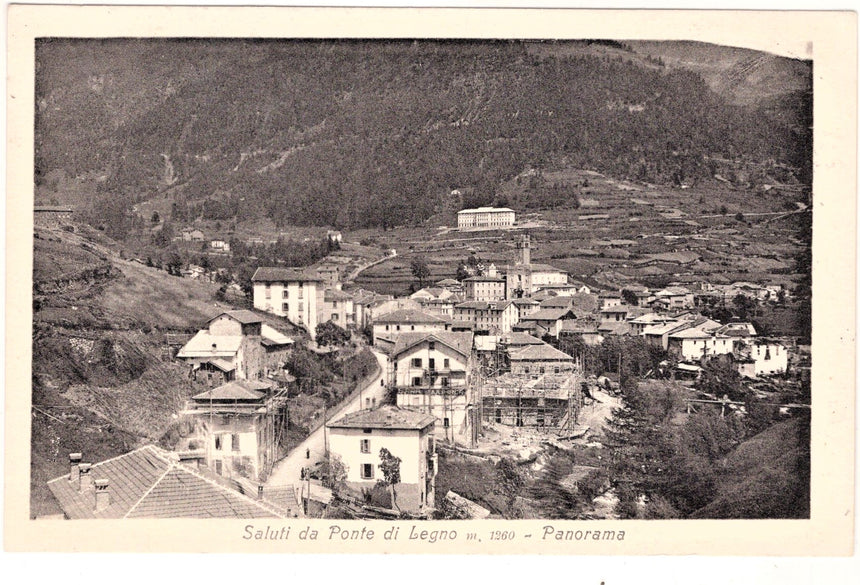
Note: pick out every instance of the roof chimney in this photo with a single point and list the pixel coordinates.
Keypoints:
(86, 480)
(102, 495)
(260, 492)
(74, 461)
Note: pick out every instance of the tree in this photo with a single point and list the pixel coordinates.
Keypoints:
(155, 217)
(390, 468)
(462, 272)
(331, 335)
(629, 297)
(420, 270)
(333, 473)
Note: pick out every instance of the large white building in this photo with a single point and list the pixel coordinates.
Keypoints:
(294, 293)
(486, 217)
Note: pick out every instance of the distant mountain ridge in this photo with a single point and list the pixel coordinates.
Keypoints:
(362, 133)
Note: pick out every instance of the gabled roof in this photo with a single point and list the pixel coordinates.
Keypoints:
(332, 294)
(459, 341)
(549, 315)
(447, 282)
(520, 338)
(244, 390)
(691, 333)
(557, 303)
(203, 344)
(616, 309)
(614, 327)
(544, 352)
(150, 482)
(384, 417)
(278, 274)
(243, 316)
(409, 316)
(673, 291)
(525, 302)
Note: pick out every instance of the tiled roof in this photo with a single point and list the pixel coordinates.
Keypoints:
(522, 338)
(278, 274)
(691, 333)
(150, 482)
(459, 341)
(384, 417)
(205, 345)
(614, 327)
(557, 303)
(548, 315)
(235, 390)
(409, 316)
(616, 309)
(544, 352)
(243, 316)
(524, 302)
(332, 294)
(447, 282)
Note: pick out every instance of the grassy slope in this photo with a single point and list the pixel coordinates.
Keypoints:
(100, 385)
(766, 476)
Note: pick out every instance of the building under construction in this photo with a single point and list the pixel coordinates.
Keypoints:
(550, 402)
(238, 427)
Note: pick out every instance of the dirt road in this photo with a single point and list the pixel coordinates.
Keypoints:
(313, 449)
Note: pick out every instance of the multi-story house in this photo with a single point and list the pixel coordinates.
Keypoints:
(488, 317)
(337, 307)
(294, 293)
(432, 373)
(387, 328)
(236, 345)
(487, 287)
(359, 437)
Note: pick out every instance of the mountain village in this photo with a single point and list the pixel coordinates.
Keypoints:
(493, 365)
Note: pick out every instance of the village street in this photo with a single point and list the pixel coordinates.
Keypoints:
(288, 470)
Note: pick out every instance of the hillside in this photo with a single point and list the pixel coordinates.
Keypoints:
(100, 383)
(357, 134)
(766, 476)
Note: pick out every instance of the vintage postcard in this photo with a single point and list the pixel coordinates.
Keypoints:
(430, 281)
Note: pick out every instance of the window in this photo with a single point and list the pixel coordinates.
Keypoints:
(367, 431)
(446, 363)
(446, 422)
(286, 307)
(217, 442)
(445, 381)
(416, 362)
(367, 471)
(334, 317)
(234, 441)
(334, 304)
(431, 363)
(432, 345)
(398, 327)
(268, 291)
(416, 381)
(386, 327)
(301, 307)
(286, 293)
(413, 327)
(365, 445)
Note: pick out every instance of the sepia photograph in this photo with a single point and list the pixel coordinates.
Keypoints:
(422, 280)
